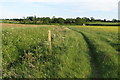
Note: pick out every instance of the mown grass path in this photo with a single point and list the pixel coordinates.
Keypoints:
(95, 71)
(104, 57)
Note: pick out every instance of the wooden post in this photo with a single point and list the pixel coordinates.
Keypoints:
(49, 40)
(84, 25)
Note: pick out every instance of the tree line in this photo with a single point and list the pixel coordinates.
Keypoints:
(54, 20)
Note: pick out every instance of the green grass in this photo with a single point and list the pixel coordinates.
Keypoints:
(8, 21)
(102, 23)
(77, 52)
(104, 53)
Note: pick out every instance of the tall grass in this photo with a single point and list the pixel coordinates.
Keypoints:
(78, 52)
(26, 53)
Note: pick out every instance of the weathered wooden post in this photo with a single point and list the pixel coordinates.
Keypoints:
(49, 40)
(84, 25)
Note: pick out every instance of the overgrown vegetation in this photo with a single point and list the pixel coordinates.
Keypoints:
(77, 52)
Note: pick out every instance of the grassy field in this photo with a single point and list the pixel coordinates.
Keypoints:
(77, 51)
(103, 23)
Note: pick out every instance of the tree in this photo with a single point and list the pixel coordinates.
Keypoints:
(114, 20)
(70, 21)
(86, 19)
(46, 20)
(104, 20)
(34, 20)
(79, 21)
(60, 20)
(54, 20)
(92, 19)
(30, 18)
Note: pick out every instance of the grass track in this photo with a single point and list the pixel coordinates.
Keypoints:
(94, 72)
(109, 54)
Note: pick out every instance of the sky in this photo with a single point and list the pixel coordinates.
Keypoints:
(99, 9)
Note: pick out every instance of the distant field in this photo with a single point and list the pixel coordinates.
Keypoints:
(103, 23)
(23, 25)
(77, 51)
(96, 23)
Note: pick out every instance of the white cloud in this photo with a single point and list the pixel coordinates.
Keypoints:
(60, 1)
(79, 6)
(73, 1)
(93, 4)
(104, 5)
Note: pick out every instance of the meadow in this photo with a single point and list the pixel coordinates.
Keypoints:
(76, 51)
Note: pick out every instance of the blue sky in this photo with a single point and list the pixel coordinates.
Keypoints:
(100, 9)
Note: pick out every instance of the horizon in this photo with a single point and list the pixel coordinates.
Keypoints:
(60, 8)
(58, 17)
